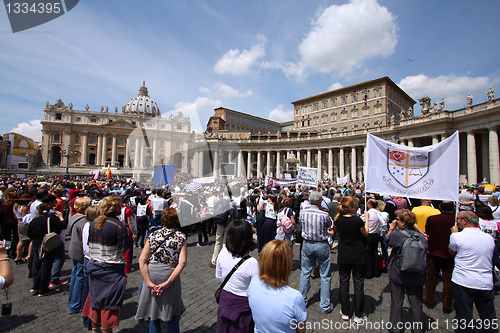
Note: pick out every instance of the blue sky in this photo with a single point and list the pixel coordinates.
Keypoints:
(255, 57)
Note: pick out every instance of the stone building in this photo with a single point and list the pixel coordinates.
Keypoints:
(329, 133)
(134, 137)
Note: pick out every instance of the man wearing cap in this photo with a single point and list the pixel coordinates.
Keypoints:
(315, 225)
(472, 276)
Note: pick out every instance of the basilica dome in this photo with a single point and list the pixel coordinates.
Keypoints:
(142, 104)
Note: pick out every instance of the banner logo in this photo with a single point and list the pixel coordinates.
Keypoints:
(407, 168)
(26, 14)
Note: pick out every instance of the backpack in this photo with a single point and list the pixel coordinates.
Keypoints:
(412, 255)
(286, 222)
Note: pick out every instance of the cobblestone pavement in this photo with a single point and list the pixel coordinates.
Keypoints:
(50, 313)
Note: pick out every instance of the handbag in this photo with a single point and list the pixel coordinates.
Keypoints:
(50, 241)
(219, 290)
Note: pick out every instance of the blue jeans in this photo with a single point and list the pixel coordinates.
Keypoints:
(58, 263)
(173, 325)
(86, 320)
(78, 289)
(312, 251)
(42, 279)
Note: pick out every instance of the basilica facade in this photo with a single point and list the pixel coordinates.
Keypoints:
(134, 137)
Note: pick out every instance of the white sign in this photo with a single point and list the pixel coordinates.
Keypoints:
(430, 172)
(307, 176)
(344, 180)
(204, 180)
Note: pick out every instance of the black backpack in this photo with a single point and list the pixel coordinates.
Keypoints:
(413, 254)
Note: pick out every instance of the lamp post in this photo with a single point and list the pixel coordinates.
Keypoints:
(68, 153)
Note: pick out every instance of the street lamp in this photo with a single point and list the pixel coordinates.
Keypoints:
(68, 153)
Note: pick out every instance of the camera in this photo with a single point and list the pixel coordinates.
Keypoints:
(6, 309)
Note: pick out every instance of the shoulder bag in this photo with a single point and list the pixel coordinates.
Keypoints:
(219, 290)
(50, 241)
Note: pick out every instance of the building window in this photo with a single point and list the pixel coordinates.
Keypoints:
(57, 137)
(315, 107)
(324, 119)
(377, 92)
(77, 139)
(333, 116)
(366, 111)
(354, 113)
(325, 104)
(178, 145)
(110, 141)
(93, 140)
(121, 141)
(354, 97)
(93, 120)
(344, 100)
(78, 119)
(334, 102)
(58, 116)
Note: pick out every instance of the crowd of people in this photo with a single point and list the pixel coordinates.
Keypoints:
(105, 222)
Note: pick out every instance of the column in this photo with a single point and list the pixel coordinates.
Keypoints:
(308, 158)
(471, 159)
(259, 165)
(354, 173)
(104, 148)
(142, 149)
(83, 157)
(155, 152)
(298, 155)
(249, 165)
(137, 154)
(216, 162)
(127, 153)
(99, 149)
(240, 164)
(330, 163)
(278, 164)
(435, 139)
(341, 163)
(494, 157)
(410, 143)
(268, 164)
(113, 151)
(201, 163)
(185, 157)
(320, 166)
(485, 172)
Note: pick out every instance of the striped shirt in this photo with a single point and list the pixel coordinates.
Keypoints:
(315, 224)
(106, 245)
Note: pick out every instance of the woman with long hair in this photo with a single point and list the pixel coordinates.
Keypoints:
(275, 305)
(161, 262)
(351, 256)
(234, 314)
(108, 242)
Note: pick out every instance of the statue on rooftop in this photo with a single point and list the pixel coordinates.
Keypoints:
(491, 94)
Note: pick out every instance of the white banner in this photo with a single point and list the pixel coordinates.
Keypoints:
(430, 172)
(204, 180)
(343, 180)
(307, 176)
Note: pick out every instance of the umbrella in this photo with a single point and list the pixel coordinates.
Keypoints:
(192, 187)
(487, 186)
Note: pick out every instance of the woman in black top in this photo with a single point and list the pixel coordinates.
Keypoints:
(351, 256)
(41, 268)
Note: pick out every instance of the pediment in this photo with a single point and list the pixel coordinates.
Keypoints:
(120, 123)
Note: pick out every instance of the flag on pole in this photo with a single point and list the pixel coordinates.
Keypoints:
(97, 174)
(430, 172)
(325, 175)
(108, 172)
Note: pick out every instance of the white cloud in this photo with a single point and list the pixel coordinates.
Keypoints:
(32, 130)
(238, 62)
(453, 88)
(226, 91)
(344, 36)
(335, 86)
(199, 111)
(280, 115)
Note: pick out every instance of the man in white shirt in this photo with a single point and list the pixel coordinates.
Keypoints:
(472, 276)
